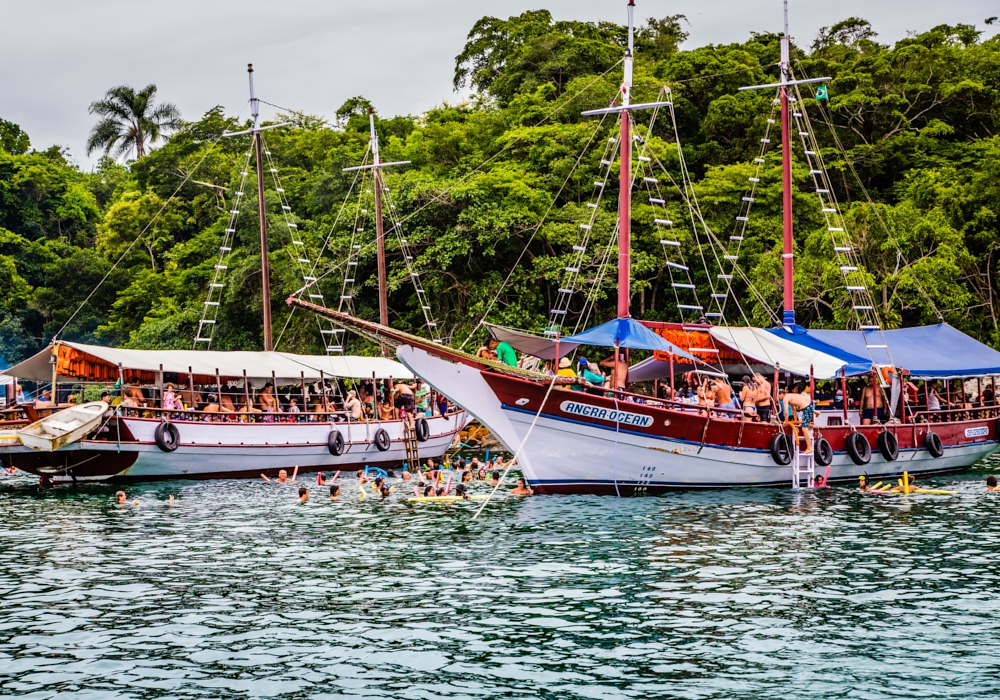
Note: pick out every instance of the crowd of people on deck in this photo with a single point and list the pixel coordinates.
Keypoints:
(366, 400)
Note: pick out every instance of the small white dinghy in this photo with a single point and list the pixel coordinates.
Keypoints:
(63, 427)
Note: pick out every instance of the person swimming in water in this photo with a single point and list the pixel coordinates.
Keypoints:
(385, 490)
(461, 492)
(122, 500)
(819, 482)
(521, 489)
(991, 483)
(283, 476)
(335, 493)
(303, 494)
(863, 484)
(495, 478)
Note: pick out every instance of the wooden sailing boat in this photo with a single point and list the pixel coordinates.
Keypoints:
(146, 439)
(625, 443)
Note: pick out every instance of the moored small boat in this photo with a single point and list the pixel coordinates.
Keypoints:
(63, 427)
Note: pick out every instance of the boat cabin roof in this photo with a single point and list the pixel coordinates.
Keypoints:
(80, 362)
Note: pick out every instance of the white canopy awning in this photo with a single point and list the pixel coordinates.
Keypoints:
(534, 345)
(287, 367)
(770, 349)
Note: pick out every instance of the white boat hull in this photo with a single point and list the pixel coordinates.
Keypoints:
(232, 450)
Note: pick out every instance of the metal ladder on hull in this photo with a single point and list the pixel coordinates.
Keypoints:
(803, 465)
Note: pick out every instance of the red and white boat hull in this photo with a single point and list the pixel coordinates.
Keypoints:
(568, 448)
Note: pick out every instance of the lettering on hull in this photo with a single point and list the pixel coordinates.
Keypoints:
(633, 420)
(981, 431)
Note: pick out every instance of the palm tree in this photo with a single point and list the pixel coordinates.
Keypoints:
(131, 121)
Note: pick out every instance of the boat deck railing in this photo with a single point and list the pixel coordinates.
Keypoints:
(257, 416)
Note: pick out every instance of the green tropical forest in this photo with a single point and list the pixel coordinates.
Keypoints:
(492, 201)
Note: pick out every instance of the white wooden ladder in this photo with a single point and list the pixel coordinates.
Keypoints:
(802, 466)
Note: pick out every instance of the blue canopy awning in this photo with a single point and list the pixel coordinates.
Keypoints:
(627, 333)
(931, 352)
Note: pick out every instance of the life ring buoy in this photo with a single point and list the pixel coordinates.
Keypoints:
(822, 452)
(335, 443)
(167, 436)
(422, 429)
(381, 440)
(932, 441)
(888, 445)
(887, 372)
(859, 449)
(781, 449)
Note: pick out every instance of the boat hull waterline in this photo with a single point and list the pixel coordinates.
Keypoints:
(228, 450)
(653, 449)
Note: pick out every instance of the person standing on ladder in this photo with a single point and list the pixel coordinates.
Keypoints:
(798, 400)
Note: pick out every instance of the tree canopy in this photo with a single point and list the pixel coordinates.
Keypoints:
(493, 200)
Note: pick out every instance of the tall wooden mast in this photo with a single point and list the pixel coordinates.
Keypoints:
(788, 241)
(788, 248)
(265, 268)
(376, 167)
(625, 182)
(383, 278)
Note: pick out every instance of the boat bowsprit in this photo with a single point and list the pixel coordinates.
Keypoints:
(63, 427)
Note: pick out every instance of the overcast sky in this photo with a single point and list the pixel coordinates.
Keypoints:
(311, 55)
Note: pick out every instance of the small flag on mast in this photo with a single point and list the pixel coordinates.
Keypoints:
(821, 93)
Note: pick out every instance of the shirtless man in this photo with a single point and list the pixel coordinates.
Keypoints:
(402, 396)
(799, 400)
(133, 394)
(191, 399)
(619, 370)
(521, 489)
(723, 395)
(871, 403)
(352, 405)
(283, 476)
(763, 396)
(303, 494)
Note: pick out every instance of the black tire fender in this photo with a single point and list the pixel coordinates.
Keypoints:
(167, 436)
(422, 429)
(781, 449)
(822, 452)
(335, 443)
(888, 445)
(932, 441)
(859, 449)
(381, 440)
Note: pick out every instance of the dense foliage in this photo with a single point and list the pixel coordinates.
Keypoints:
(918, 173)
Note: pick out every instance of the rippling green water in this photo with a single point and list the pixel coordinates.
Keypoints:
(237, 590)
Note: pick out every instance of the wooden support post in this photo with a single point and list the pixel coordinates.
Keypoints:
(305, 402)
(673, 388)
(159, 381)
(55, 374)
(191, 389)
(843, 391)
(246, 394)
(218, 389)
